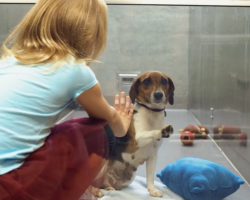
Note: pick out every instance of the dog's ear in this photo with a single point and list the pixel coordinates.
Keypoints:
(171, 91)
(134, 89)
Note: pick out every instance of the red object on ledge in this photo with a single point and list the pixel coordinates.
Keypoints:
(187, 138)
(230, 133)
(199, 131)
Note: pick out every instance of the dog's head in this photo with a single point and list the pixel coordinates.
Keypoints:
(154, 88)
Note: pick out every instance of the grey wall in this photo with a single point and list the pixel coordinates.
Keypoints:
(10, 15)
(142, 38)
(219, 74)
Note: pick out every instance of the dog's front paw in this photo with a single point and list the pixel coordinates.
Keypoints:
(154, 192)
(109, 188)
(96, 192)
(167, 131)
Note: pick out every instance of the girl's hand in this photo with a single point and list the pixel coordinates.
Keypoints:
(126, 112)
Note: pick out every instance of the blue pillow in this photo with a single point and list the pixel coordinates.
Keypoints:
(196, 179)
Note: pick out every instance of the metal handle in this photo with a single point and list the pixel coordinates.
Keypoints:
(212, 113)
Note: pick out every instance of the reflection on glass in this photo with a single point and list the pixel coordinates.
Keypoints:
(205, 51)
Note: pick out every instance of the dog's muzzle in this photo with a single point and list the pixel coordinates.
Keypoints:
(158, 95)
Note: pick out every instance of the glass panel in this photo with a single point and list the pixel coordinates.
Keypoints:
(205, 51)
(142, 38)
(219, 74)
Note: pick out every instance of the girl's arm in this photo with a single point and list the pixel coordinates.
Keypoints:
(118, 118)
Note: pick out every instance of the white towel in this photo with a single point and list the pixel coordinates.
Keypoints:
(137, 190)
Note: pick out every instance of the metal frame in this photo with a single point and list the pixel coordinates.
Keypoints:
(161, 2)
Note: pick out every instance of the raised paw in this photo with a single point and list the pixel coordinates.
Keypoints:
(155, 193)
(167, 131)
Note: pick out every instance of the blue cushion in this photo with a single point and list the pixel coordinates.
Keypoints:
(198, 179)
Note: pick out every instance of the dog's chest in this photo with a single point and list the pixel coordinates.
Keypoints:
(141, 154)
(145, 122)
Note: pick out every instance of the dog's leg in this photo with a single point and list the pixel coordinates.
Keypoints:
(99, 179)
(145, 137)
(96, 191)
(150, 167)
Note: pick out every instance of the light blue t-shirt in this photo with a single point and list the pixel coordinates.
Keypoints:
(30, 102)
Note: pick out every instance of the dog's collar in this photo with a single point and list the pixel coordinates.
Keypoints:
(152, 109)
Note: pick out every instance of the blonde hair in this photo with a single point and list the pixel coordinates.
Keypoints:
(54, 29)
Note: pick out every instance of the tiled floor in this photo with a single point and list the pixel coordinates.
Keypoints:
(172, 149)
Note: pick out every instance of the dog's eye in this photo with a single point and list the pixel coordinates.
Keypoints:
(164, 82)
(147, 82)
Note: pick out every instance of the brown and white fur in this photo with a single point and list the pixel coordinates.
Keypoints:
(155, 90)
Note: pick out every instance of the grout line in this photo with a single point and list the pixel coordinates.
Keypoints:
(65, 116)
(229, 161)
(194, 117)
(222, 152)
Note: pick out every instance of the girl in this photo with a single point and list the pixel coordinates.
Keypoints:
(42, 69)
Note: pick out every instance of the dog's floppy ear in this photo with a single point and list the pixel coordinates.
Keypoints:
(134, 89)
(171, 91)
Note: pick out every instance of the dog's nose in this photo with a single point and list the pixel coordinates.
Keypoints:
(158, 95)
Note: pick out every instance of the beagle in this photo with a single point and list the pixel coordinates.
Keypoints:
(150, 93)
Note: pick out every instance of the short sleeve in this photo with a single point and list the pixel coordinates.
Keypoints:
(84, 78)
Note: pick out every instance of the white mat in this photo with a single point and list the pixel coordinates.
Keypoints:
(137, 190)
